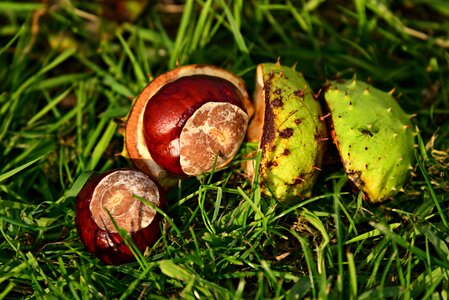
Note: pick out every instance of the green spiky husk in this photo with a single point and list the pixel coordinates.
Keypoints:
(292, 140)
(374, 136)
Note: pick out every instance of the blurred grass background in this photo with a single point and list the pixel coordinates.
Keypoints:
(69, 71)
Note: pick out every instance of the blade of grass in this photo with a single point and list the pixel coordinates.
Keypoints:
(129, 242)
(257, 212)
(439, 244)
(352, 276)
(22, 7)
(200, 25)
(16, 95)
(235, 29)
(170, 269)
(201, 200)
(7, 290)
(432, 192)
(360, 6)
(12, 40)
(338, 229)
(310, 262)
(375, 259)
(370, 234)
(15, 171)
(102, 145)
(406, 245)
(141, 78)
(166, 217)
(385, 273)
(426, 280)
(180, 41)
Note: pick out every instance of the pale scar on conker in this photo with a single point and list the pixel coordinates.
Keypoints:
(114, 198)
(212, 135)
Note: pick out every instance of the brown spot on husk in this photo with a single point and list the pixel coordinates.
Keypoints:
(286, 133)
(272, 163)
(277, 102)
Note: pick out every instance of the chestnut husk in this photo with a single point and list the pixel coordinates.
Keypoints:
(135, 146)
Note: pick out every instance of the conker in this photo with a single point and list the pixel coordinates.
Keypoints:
(113, 194)
(188, 121)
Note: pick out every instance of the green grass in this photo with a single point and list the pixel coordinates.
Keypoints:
(68, 74)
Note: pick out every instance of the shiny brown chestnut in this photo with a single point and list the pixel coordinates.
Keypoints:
(113, 194)
(187, 122)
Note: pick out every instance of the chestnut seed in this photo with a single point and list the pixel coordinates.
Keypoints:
(187, 122)
(113, 194)
(191, 120)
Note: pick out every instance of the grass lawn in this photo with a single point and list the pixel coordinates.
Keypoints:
(69, 71)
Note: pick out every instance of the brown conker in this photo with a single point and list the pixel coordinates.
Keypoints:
(187, 122)
(113, 194)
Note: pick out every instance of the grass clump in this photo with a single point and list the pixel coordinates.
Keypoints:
(69, 70)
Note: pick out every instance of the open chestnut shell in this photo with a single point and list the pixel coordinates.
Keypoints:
(187, 122)
(111, 198)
